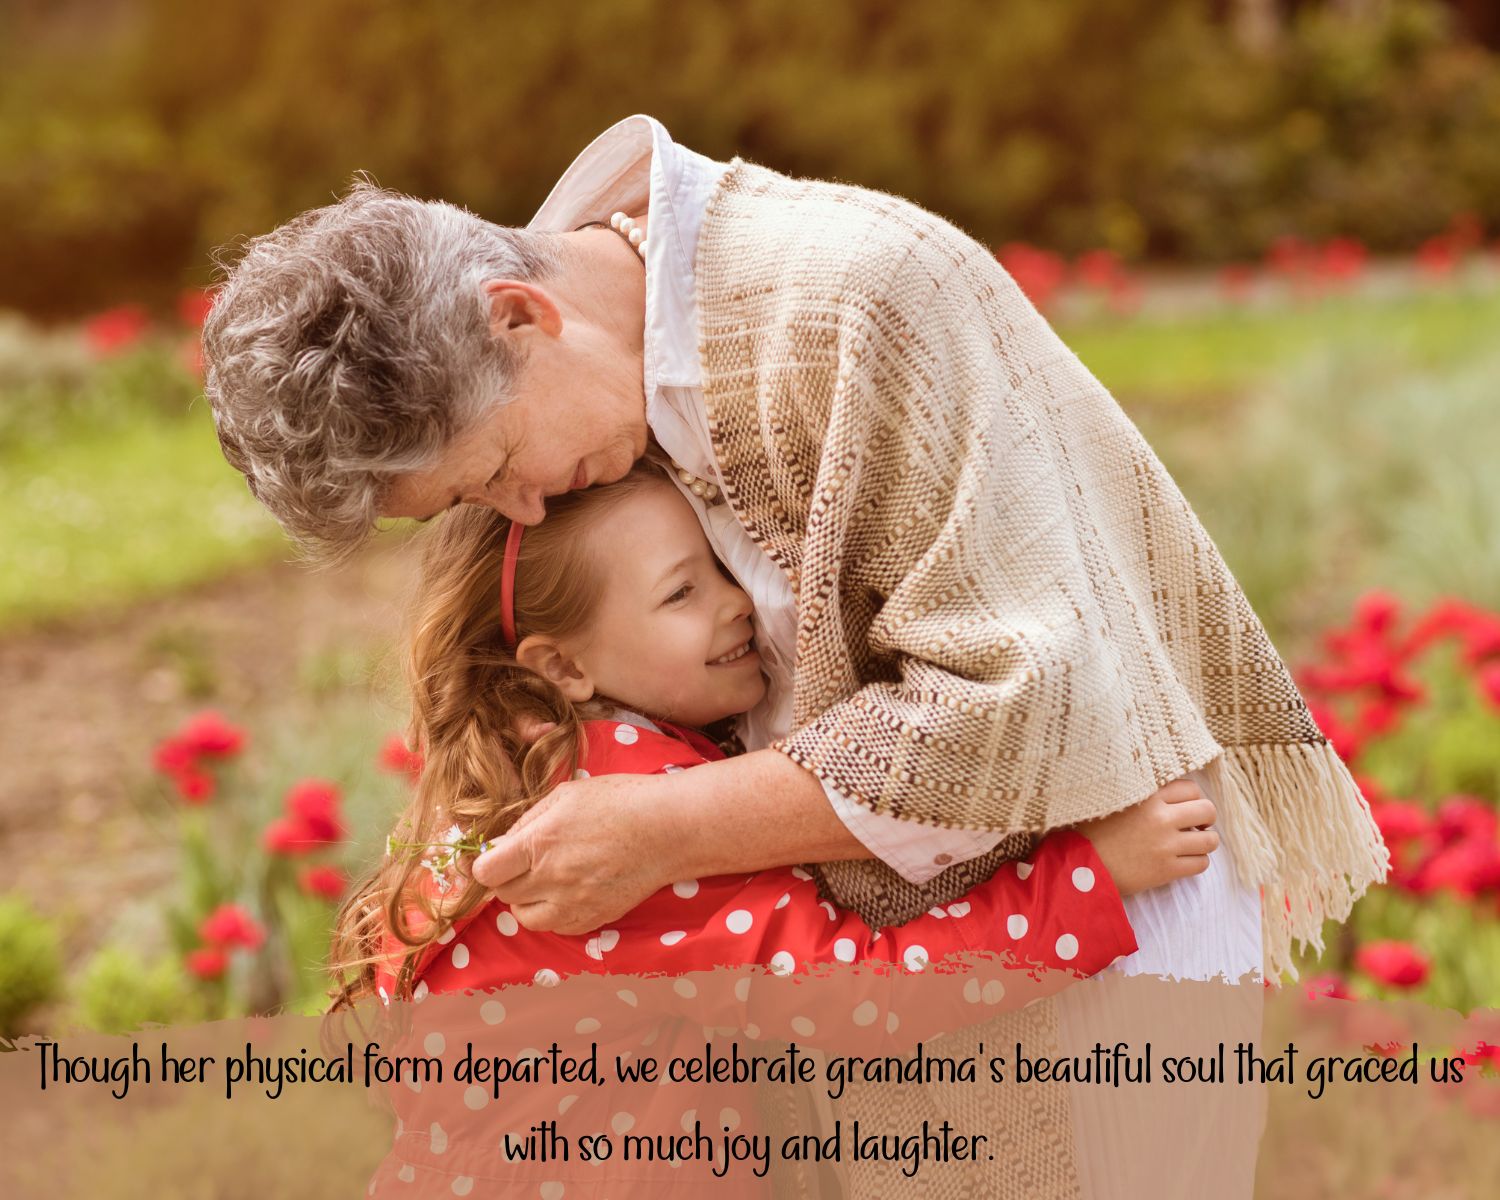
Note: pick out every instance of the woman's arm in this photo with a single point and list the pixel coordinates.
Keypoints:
(595, 848)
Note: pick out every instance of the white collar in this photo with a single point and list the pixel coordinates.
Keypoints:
(634, 164)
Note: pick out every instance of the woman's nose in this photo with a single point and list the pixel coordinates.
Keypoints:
(525, 507)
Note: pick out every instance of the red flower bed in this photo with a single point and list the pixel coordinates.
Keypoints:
(1374, 683)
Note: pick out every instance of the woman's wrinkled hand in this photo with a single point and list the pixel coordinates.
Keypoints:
(1166, 837)
(584, 855)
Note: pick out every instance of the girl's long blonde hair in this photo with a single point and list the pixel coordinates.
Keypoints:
(472, 705)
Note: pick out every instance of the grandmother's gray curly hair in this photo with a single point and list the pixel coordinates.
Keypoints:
(352, 345)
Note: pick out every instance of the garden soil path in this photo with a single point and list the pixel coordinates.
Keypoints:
(83, 703)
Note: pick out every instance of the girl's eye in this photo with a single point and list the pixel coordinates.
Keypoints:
(680, 594)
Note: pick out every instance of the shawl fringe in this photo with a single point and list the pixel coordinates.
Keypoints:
(1300, 829)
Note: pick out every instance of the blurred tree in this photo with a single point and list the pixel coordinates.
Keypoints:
(1480, 20)
(1257, 23)
(137, 134)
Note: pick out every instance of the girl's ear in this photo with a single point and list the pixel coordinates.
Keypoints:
(545, 657)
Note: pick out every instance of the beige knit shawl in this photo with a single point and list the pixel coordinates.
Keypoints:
(1009, 618)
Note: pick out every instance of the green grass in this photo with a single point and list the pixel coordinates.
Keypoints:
(102, 515)
(115, 492)
(1221, 352)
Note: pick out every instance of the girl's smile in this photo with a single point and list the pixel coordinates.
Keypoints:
(736, 655)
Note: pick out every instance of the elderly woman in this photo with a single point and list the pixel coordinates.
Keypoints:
(984, 607)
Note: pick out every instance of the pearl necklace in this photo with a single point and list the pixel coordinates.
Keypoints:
(626, 227)
(630, 231)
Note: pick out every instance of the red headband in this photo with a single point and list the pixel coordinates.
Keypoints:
(508, 585)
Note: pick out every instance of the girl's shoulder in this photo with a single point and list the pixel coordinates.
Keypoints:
(625, 743)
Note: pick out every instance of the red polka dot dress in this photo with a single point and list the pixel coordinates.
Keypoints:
(1073, 920)
(1059, 909)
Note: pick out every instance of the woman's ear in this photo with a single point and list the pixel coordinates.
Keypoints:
(545, 657)
(517, 306)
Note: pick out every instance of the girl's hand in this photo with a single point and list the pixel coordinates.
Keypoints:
(582, 856)
(1167, 836)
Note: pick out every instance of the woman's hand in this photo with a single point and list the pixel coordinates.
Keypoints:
(595, 848)
(585, 854)
(1167, 836)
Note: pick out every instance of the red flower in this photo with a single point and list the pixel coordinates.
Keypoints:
(208, 962)
(1366, 656)
(1330, 985)
(1099, 269)
(1489, 683)
(326, 883)
(1481, 638)
(312, 819)
(194, 785)
(206, 735)
(1377, 717)
(1400, 821)
(1345, 741)
(1466, 868)
(1370, 788)
(172, 756)
(193, 305)
(1395, 964)
(286, 836)
(314, 804)
(1342, 260)
(1448, 617)
(115, 330)
(209, 734)
(1437, 257)
(1377, 611)
(1409, 863)
(1485, 1055)
(1466, 818)
(230, 925)
(397, 759)
(1038, 273)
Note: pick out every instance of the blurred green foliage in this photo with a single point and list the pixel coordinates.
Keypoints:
(30, 964)
(137, 134)
(111, 476)
(1360, 426)
(1186, 360)
(106, 517)
(1348, 469)
(118, 993)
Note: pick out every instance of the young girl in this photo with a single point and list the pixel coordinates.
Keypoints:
(613, 623)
